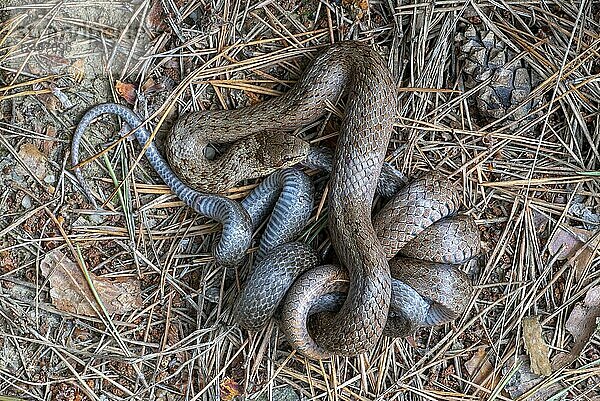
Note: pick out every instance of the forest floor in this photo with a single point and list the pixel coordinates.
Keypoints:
(163, 330)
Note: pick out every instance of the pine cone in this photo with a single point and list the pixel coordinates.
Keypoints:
(484, 56)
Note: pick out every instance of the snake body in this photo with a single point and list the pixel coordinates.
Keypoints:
(349, 69)
(362, 143)
(325, 80)
(237, 225)
(355, 70)
(286, 195)
(430, 290)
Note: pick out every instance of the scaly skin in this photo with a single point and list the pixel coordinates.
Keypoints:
(417, 222)
(237, 227)
(355, 70)
(348, 68)
(290, 190)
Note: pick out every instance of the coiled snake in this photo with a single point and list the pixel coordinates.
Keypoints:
(357, 71)
(350, 69)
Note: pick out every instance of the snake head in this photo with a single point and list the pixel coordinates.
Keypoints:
(281, 150)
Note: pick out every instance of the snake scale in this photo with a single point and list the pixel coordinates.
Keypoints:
(426, 241)
(349, 69)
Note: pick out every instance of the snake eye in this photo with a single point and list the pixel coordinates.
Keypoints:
(209, 152)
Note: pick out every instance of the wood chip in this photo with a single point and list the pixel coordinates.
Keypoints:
(537, 349)
(480, 369)
(229, 389)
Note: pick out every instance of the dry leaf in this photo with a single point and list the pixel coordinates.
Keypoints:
(155, 20)
(582, 323)
(566, 241)
(34, 159)
(151, 86)
(480, 368)
(584, 256)
(356, 7)
(536, 346)
(576, 245)
(70, 291)
(229, 389)
(126, 91)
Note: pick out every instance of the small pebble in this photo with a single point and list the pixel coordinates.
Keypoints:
(96, 218)
(26, 202)
(50, 179)
(212, 294)
(150, 222)
(285, 393)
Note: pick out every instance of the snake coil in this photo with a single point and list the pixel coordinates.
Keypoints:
(373, 302)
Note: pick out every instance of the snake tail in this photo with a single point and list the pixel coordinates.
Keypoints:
(237, 227)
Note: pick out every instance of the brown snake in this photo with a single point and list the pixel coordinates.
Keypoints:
(355, 70)
(426, 242)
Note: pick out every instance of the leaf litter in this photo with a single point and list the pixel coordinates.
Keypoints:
(506, 171)
(70, 291)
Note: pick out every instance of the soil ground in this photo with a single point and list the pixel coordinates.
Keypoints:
(530, 330)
